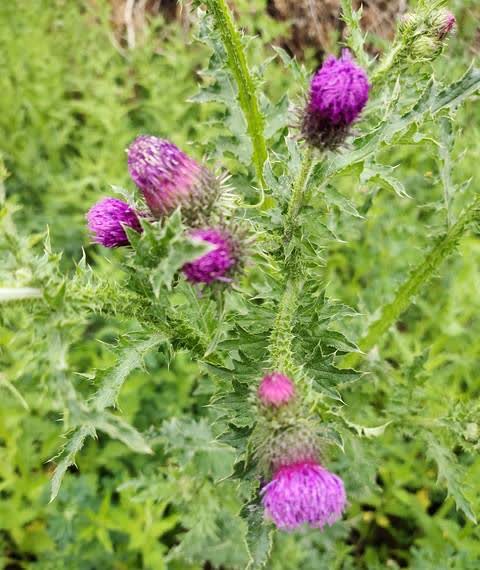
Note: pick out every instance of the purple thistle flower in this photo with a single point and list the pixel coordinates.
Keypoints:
(304, 493)
(105, 221)
(338, 94)
(215, 265)
(169, 178)
(276, 390)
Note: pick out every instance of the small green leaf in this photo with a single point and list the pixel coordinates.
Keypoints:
(180, 251)
(364, 431)
(117, 428)
(128, 359)
(383, 175)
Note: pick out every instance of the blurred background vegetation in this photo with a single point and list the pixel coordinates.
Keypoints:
(78, 81)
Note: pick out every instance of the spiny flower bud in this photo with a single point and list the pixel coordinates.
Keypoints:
(168, 178)
(293, 440)
(443, 23)
(338, 94)
(426, 48)
(106, 220)
(304, 493)
(220, 263)
(276, 390)
(409, 23)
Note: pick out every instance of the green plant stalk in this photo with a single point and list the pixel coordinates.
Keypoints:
(246, 88)
(388, 63)
(297, 197)
(281, 354)
(419, 276)
(281, 338)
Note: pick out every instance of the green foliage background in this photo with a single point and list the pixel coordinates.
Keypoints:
(71, 100)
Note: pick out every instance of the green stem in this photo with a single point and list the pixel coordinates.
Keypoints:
(281, 338)
(281, 354)
(388, 62)
(298, 193)
(419, 276)
(246, 88)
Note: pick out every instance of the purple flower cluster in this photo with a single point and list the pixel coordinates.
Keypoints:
(169, 179)
(107, 219)
(301, 491)
(304, 493)
(338, 93)
(216, 264)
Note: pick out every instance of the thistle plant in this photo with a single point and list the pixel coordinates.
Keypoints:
(240, 285)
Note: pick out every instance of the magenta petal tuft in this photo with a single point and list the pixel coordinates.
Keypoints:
(304, 493)
(276, 390)
(106, 219)
(167, 177)
(215, 265)
(338, 93)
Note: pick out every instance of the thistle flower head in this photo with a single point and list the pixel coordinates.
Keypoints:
(168, 178)
(304, 493)
(426, 48)
(409, 23)
(217, 264)
(106, 220)
(444, 23)
(338, 94)
(425, 34)
(276, 390)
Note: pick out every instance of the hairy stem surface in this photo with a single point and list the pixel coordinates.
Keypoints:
(282, 337)
(246, 88)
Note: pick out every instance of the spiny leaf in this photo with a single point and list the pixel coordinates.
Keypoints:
(383, 175)
(74, 445)
(328, 376)
(364, 431)
(128, 359)
(258, 538)
(117, 428)
(355, 39)
(420, 275)
(332, 196)
(451, 473)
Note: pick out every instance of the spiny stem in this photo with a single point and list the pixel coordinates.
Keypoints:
(388, 63)
(419, 276)
(297, 196)
(246, 88)
(281, 337)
